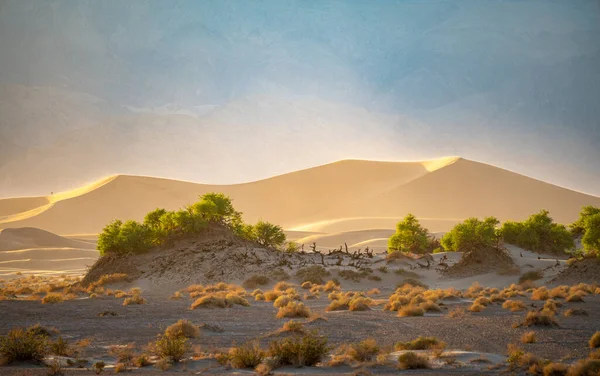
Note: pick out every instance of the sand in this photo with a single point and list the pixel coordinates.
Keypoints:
(339, 197)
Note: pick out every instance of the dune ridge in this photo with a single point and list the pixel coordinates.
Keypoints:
(338, 197)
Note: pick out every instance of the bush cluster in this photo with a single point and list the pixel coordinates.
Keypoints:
(160, 225)
(538, 233)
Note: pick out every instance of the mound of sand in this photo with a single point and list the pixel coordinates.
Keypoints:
(28, 237)
(483, 261)
(333, 198)
(586, 270)
(215, 255)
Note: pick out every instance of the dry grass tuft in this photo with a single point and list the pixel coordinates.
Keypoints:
(248, 355)
(315, 274)
(456, 312)
(540, 319)
(411, 311)
(528, 337)
(575, 298)
(297, 351)
(421, 343)
(588, 367)
(541, 293)
(514, 305)
(52, 298)
(23, 345)
(411, 360)
(595, 341)
(555, 369)
(363, 351)
(475, 307)
(575, 312)
(292, 310)
(135, 299)
(183, 328)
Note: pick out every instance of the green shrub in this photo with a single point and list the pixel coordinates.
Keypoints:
(591, 237)
(410, 236)
(268, 234)
(538, 233)
(472, 234)
(60, 347)
(22, 345)
(306, 350)
(248, 355)
(579, 227)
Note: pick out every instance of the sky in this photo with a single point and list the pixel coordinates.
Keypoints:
(231, 91)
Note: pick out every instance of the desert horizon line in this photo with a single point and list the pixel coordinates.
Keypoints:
(451, 159)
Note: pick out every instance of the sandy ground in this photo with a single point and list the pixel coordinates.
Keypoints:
(487, 332)
(339, 197)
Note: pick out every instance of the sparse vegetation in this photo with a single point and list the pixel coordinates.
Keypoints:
(421, 343)
(514, 305)
(135, 299)
(315, 274)
(411, 360)
(410, 237)
(183, 328)
(540, 319)
(306, 350)
(595, 341)
(52, 298)
(172, 348)
(292, 310)
(255, 281)
(23, 345)
(248, 355)
(532, 275)
(411, 311)
(538, 233)
(528, 337)
(363, 351)
(472, 234)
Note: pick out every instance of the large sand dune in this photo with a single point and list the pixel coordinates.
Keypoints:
(334, 198)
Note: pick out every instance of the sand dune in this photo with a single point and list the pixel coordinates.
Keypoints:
(338, 197)
(351, 238)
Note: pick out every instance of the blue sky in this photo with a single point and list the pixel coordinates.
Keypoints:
(512, 83)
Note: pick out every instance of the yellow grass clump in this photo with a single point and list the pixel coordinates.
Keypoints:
(528, 337)
(292, 310)
(411, 311)
(514, 305)
(52, 298)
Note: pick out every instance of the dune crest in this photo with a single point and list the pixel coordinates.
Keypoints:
(343, 196)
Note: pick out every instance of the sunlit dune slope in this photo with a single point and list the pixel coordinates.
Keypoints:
(27, 237)
(338, 197)
(284, 199)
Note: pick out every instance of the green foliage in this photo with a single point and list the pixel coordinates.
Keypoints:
(538, 233)
(268, 234)
(127, 237)
(21, 345)
(591, 230)
(410, 236)
(472, 234)
(579, 226)
(160, 226)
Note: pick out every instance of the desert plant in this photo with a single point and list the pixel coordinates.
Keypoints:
(363, 351)
(209, 301)
(120, 367)
(60, 347)
(514, 305)
(411, 311)
(306, 350)
(255, 281)
(135, 299)
(532, 275)
(183, 328)
(98, 367)
(456, 312)
(555, 369)
(141, 361)
(471, 234)
(248, 355)
(268, 234)
(411, 360)
(173, 348)
(292, 310)
(575, 298)
(22, 345)
(528, 337)
(315, 274)
(540, 319)
(420, 343)
(476, 307)
(538, 233)
(587, 367)
(410, 236)
(595, 341)
(575, 312)
(52, 298)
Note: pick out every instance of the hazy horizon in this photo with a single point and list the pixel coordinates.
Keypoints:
(223, 92)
